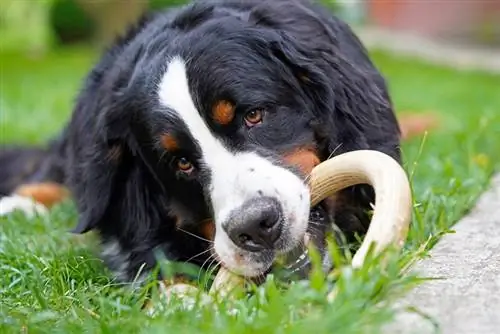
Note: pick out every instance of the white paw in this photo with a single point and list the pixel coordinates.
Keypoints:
(28, 206)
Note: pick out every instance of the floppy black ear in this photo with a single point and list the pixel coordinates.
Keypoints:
(352, 105)
(101, 143)
(110, 176)
(95, 162)
(92, 186)
(100, 140)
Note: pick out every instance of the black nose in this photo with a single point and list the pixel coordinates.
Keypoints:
(256, 225)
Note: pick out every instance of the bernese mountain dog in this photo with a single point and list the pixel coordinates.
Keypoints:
(197, 129)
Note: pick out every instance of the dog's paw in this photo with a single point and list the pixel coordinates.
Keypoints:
(28, 206)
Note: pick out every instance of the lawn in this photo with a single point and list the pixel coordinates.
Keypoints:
(53, 282)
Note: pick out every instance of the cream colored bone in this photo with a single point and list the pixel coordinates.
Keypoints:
(392, 213)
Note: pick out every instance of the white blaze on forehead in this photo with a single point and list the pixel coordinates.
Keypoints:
(235, 176)
(174, 93)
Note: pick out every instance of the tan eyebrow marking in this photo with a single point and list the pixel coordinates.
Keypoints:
(169, 142)
(223, 112)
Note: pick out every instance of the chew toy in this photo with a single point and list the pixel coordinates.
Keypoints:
(392, 211)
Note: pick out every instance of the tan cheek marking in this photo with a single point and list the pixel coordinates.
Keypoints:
(169, 142)
(207, 229)
(304, 159)
(47, 193)
(223, 112)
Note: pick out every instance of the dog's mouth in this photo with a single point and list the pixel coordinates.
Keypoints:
(296, 264)
(292, 266)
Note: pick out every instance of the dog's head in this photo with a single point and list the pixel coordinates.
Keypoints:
(221, 117)
(231, 132)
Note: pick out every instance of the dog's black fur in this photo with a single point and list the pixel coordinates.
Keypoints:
(294, 56)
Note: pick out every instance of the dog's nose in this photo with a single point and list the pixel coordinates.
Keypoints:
(256, 225)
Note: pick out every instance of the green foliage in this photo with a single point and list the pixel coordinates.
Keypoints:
(24, 25)
(39, 25)
(332, 4)
(69, 22)
(162, 4)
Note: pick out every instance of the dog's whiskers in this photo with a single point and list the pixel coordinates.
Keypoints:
(313, 223)
(201, 268)
(214, 260)
(199, 254)
(212, 267)
(210, 258)
(334, 150)
(194, 235)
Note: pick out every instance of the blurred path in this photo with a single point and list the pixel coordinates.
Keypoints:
(467, 298)
(457, 55)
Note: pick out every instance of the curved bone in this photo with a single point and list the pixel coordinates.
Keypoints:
(225, 281)
(392, 213)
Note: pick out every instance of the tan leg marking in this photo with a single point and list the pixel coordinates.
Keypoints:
(47, 193)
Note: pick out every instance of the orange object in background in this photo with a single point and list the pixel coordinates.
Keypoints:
(436, 18)
(413, 125)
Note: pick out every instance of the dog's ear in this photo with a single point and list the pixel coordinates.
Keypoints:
(100, 138)
(350, 97)
(111, 181)
(102, 158)
(96, 163)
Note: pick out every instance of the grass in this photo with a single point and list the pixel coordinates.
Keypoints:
(36, 94)
(52, 281)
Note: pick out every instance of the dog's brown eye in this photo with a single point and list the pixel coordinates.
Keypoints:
(184, 165)
(253, 117)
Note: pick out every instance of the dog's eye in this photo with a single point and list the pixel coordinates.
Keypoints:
(184, 165)
(254, 117)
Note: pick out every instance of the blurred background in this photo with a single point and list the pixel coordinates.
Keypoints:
(38, 25)
(47, 46)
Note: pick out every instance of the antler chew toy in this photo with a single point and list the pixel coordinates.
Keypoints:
(392, 213)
